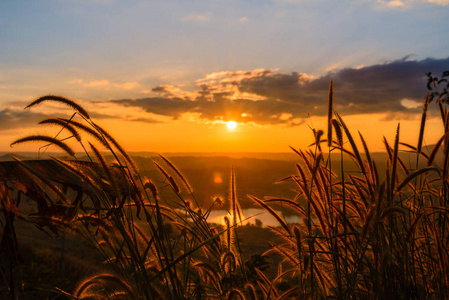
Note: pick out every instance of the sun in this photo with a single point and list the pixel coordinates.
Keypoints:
(231, 125)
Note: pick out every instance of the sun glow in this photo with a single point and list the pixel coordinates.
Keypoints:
(231, 125)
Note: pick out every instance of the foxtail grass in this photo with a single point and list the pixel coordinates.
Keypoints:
(379, 232)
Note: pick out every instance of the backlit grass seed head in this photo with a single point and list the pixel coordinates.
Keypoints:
(228, 242)
(235, 294)
(88, 130)
(423, 123)
(174, 185)
(318, 135)
(150, 185)
(329, 114)
(102, 279)
(178, 173)
(142, 234)
(63, 100)
(228, 262)
(50, 140)
(338, 132)
(297, 233)
(64, 124)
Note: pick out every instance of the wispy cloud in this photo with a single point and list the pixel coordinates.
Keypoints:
(440, 2)
(126, 85)
(243, 20)
(395, 3)
(104, 83)
(394, 89)
(404, 3)
(269, 97)
(97, 83)
(13, 118)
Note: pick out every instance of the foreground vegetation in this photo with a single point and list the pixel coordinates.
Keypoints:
(364, 234)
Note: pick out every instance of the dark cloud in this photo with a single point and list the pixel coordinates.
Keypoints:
(11, 118)
(173, 107)
(144, 120)
(15, 119)
(97, 114)
(267, 97)
(381, 88)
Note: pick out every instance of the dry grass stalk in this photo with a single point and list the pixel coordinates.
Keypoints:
(64, 125)
(273, 213)
(122, 151)
(88, 130)
(423, 124)
(355, 223)
(353, 145)
(101, 279)
(330, 104)
(178, 173)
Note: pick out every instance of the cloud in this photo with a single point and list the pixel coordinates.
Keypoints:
(106, 84)
(11, 118)
(126, 85)
(395, 3)
(107, 110)
(264, 97)
(170, 91)
(403, 3)
(440, 2)
(391, 3)
(97, 83)
(14, 117)
(270, 97)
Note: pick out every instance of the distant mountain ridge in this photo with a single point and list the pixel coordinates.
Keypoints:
(283, 156)
(256, 173)
(279, 156)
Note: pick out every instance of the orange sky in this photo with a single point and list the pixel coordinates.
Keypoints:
(186, 135)
(166, 76)
(272, 110)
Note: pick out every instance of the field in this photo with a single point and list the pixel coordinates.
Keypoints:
(105, 225)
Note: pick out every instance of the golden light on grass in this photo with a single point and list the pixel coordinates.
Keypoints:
(399, 214)
(231, 125)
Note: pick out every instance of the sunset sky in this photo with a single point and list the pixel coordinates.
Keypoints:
(166, 76)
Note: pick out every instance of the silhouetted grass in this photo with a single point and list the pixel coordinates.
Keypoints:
(363, 235)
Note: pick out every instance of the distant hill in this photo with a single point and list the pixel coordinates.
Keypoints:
(256, 173)
(279, 156)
